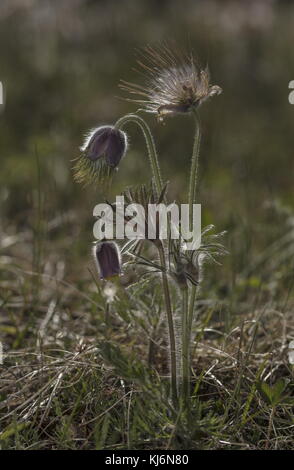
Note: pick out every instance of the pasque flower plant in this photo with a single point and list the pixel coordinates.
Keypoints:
(174, 83)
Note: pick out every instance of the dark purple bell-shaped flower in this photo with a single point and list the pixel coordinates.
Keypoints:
(108, 259)
(106, 141)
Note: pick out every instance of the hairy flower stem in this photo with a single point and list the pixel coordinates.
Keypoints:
(191, 310)
(185, 351)
(192, 200)
(194, 167)
(152, 153)
(170, 322)
(154, 163)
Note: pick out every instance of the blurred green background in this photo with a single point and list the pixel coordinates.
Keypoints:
(61, 62)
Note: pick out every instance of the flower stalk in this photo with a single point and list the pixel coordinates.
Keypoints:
(192, 200)
(154, 163)
(194, 166)
(151, 148)
(170, 322)
(185, 350)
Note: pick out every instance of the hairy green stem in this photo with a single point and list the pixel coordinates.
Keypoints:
(152, 153)
(192, 200)
(170, 322)
(154, 163)
(194, 167)
(191, 310)
(185, 350)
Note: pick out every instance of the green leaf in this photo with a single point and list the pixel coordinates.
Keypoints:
(278, 390)
(265, 391)
(103, 432)
(272, 394)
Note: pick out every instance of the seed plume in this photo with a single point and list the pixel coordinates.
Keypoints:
(174, 82)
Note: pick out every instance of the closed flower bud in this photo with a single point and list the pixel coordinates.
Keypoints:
(108, 259)
(108, 142)
(117, 146)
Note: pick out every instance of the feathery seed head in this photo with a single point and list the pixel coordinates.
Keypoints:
(175, 83)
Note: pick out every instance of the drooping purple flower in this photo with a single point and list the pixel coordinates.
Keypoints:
(117, 145)
(106, 141)
(96, 143)
(108, 259)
